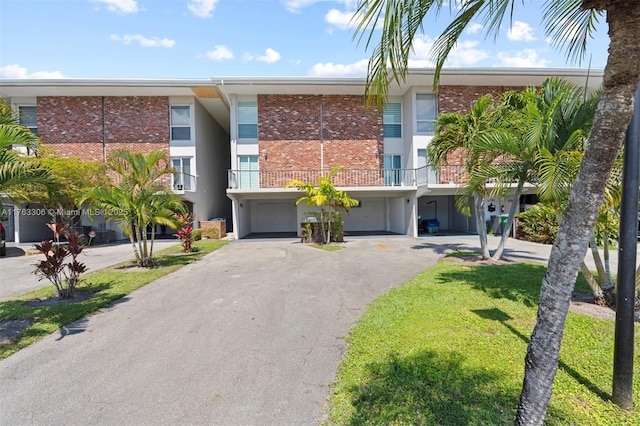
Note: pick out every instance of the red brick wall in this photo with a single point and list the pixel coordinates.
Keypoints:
(461, 99)
(289, 135)
(74, 126)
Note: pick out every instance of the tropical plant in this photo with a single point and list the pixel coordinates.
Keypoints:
(17, 171)
(568, 24)
(185, 233)
(538, 224)
(64, 275)
(140, 201)
(326, 197)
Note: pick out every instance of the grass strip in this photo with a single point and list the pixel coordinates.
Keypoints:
(448, 347)
(105, 285)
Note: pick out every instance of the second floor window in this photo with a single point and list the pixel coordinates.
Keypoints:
(29, 118)
(180, 123)
(392, 120)
(247, 120)
(426, 111)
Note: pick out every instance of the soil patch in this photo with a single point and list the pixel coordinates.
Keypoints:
(81, 296)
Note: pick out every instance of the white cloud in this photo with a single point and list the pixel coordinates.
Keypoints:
(122, 7)
(219, 53)
(295, 6)
(527, 58)
(474, 28)
(465, 53)
(202, 8)
(520, 31)
(270, 56)
(143, 41)
(357, 69)
(341, 20)
(16, 71)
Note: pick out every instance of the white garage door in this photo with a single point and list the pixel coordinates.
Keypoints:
(370, 216)
(276, 217)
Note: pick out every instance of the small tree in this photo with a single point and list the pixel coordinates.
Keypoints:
(325, 196)
(64, 275)
(185, 233)
(141, 200)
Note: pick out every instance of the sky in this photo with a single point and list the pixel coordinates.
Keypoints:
(216, 38)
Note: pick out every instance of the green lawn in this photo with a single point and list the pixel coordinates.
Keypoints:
(448, 347)
(106, 285)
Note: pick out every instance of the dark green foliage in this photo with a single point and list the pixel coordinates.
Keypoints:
(538, 224)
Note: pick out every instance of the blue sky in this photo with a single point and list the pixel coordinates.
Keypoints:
(215, 38)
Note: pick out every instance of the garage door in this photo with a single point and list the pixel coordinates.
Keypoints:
(370, 216)
(276, 217)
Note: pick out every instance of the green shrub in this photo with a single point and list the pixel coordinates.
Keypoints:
(537, 224)
(206, 233)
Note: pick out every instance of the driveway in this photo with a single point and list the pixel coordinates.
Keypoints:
(250, 334)
(17, 271)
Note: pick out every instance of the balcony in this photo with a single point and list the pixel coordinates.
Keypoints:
(349, 178)
(182, 182)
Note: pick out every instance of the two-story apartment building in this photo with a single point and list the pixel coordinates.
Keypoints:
(90, 119)
(300, 128)
(237, 141)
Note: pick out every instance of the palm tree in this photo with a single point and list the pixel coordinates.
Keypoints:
(568, 24)
(16, 171)
(140, 200)
(456, 131)
(325, 196)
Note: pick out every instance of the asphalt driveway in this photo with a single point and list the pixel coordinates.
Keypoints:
(251, 334)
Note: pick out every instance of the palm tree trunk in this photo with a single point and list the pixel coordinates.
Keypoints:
(610, 123)
(595, 253)
(133, 244)
(610, 286)
(153, 238)
(481, 225)
(507, 226)
(596, 291)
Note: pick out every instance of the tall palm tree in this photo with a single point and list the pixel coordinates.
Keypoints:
(16, 171)
(140, 200)
(459, 132)
(569, 24)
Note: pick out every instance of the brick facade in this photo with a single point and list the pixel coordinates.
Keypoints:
(292, 136)
(77, 126)
(461, 99)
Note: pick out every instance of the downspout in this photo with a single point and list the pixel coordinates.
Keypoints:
(104, 134)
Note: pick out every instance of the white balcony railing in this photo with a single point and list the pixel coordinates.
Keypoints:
(182, 182)
(277, 179)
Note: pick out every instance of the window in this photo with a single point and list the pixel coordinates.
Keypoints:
(247, 120)
(392, 170)
(182, 177)
(180, 123)
(426, 111)
(248, 176)
(28, 118)
(392, 120)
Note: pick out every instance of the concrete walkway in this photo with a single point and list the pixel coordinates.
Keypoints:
(250, 334)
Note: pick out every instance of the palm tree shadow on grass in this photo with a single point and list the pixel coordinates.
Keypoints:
(429, 388)
(502, 317)
(518, 282)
